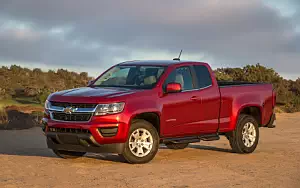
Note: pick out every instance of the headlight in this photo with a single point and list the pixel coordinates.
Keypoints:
(113, 108)
(47, 105)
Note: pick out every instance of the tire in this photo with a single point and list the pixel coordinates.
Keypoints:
(68, 154)
(136, 151)
(236, 140)
(177, 146)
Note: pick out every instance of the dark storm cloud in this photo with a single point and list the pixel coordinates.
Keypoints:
(233, 32)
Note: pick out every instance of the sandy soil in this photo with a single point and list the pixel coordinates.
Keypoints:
(26, 162)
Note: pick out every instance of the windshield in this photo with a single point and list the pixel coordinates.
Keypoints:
(131, 76)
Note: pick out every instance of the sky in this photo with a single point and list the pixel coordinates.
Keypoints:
(93, 35)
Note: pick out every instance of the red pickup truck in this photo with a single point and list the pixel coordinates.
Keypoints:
(135, 106)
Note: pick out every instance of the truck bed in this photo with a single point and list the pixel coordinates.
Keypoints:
(237, 95)
(237, 83)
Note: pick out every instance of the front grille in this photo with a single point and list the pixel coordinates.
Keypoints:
(68, 130)
(80, 117)
(74, 105)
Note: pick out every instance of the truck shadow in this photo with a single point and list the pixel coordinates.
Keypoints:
(31, 142)
(106, 157)
(118, 159)
(202, 147)
(211, 148)
(47, 153)
(28, 152)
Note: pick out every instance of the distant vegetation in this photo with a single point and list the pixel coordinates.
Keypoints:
(25, 86)
(288, 91)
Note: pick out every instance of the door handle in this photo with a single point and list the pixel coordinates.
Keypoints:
(194, 98)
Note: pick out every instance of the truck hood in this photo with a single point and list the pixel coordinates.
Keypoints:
(91, 94)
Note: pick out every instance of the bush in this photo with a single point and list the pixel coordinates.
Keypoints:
(42, 97)
(288, 91)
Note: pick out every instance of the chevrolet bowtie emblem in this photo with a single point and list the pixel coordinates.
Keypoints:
(69, 110)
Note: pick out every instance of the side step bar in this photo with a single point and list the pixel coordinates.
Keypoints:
(192, 139)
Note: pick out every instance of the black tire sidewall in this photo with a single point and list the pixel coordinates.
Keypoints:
(246, 119)
(128, 155)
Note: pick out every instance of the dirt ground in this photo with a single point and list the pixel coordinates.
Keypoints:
(26, 162)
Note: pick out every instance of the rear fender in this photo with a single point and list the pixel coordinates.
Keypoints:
(252, 105)
(236, 115)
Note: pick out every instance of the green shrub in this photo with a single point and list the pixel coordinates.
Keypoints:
(42, 97)
(3, 117)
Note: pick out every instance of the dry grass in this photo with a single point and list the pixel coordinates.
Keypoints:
(279, 110)
(12, 105)
(3, 114)
(3, 117)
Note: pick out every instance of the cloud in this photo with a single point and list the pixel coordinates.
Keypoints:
(99, 33)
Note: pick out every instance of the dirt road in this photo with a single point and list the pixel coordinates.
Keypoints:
(26, 162)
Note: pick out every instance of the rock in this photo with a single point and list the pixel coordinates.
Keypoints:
(19, 120)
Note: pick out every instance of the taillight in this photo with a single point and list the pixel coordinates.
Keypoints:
(274, 98)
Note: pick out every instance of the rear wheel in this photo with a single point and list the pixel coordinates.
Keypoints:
(177, 145)
(245, 137)
(68, 154)
(142, 143)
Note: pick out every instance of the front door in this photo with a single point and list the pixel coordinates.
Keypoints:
(181, 110)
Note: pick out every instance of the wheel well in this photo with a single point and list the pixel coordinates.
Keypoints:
(151, 117)
(253, 111)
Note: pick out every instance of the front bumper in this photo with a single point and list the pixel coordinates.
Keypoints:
(83, 142)
(101, 135)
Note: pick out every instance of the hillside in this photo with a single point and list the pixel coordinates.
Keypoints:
(33, 86)
(20, 85)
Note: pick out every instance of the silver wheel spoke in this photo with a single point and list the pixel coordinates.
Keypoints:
(136, 135)
(140, 151)
(147, 145)
(249, 134)
(133, 145)
(244, 131)
(252, 138)
(247, 142)
(145, 136)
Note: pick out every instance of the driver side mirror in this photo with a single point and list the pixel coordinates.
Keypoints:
(90, 82)
(173, 88)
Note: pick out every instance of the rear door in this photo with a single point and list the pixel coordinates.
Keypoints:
(208, 93)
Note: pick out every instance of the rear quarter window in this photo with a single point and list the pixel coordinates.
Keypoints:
(203, 76)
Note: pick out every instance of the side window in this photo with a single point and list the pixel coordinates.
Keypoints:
(180, 75)
(203, 76)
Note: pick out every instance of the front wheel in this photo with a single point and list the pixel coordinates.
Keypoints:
(245, 137)
(142, 143)
(68, 154)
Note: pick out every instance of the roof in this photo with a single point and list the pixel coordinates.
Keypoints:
(156, 62)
